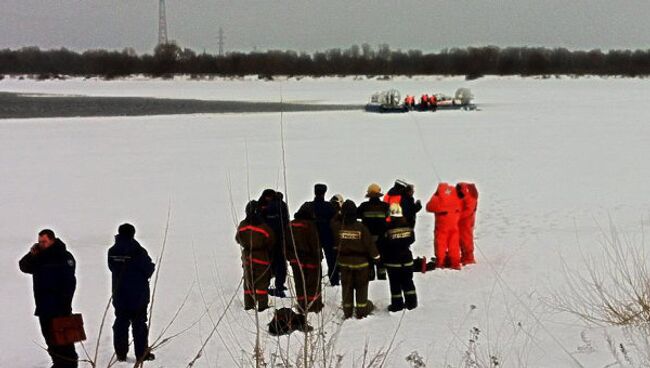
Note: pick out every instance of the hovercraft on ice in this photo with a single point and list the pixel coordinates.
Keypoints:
(390, 101)
(386, 101)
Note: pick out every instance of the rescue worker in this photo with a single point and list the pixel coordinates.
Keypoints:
(275, 214)
(468, 193)
(398, 260)
(410, 207)
(409, 102)
(256, 240)
(324, 211)
(355, 248)
(433, 102)
(131, 268)
(446, 206)
(373, 214)
(424, 102)
(304, 254)
(52, 268)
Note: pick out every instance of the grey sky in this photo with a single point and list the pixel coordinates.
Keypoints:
(308, 26)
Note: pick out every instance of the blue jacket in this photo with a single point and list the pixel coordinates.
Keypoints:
(53, 279)
(131, 268)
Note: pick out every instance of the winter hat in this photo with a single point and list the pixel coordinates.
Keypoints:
(126, 230)
(374, 190)
(396, 210)
(320, 189)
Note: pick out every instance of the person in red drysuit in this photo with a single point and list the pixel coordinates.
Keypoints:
(409, 101)
(424, 102)
(468, 193)
(433, 101)
(446, 206)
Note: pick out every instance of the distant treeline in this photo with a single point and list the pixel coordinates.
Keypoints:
(472, 62)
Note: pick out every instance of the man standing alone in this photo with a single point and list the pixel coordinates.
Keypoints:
(131, 268)
(52, 268)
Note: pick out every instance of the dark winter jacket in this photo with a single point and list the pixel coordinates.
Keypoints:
(257, 241)
(275, 214)
(324, 211)
(410, 208)
(304, 247)
(397, 243)
(53, 277)
(131, 268)
(355, 246)
(373, 214)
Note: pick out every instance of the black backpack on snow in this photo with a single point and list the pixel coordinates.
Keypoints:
(285, 321)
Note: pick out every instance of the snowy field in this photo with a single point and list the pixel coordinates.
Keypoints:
(554, 161)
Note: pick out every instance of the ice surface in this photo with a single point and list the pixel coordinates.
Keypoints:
(553, 160)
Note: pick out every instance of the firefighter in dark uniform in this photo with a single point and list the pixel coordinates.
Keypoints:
(398, 260)
(303, 251)
(355, 251)
(52, 268)
(275, 214)
(373, 214)
(256, 240)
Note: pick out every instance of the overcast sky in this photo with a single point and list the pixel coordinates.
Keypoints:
(308, 26)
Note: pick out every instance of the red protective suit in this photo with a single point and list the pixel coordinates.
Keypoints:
(466, 222)
(446, 206)
(424, 100)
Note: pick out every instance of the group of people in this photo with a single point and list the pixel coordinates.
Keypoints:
(426, 102)
(52, 268)
(358, 243)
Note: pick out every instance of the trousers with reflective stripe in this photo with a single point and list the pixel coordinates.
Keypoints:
(400, 280)
(354, 288)
(308, 286)
(257, 278)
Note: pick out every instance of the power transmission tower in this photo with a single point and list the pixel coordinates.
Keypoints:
(162, 24)
(220, 41)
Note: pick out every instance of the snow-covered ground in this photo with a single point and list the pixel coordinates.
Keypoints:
(554, 160)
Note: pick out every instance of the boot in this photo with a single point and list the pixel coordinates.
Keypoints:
(278, 293)
(411, 301)
(146, 357)
(396, 304)
(347, 313)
